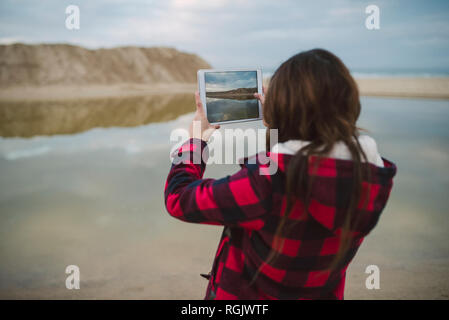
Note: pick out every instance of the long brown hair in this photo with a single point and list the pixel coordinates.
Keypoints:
(313, 97)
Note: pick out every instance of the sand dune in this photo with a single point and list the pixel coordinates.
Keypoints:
(63, 64)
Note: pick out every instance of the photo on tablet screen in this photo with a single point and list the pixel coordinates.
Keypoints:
(230, 95)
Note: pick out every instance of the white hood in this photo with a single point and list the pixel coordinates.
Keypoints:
(340, 150)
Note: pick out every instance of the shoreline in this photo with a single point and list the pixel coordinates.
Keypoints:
(427, 88)
(97, 91)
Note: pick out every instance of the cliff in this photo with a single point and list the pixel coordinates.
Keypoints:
(63, 64)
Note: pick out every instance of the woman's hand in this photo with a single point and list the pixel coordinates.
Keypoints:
(261, 97)
(202, 128)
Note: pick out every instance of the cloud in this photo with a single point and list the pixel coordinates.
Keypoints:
(7, 40)
(344, 12)
(223, 81)
(233, 33)
(197, 4)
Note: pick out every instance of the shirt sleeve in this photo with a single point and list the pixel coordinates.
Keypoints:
(242, 199)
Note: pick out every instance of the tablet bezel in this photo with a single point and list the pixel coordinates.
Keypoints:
(202, 90)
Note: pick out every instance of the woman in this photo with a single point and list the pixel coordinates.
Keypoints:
(290, 235)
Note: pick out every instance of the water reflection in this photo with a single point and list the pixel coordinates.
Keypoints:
(94, 199)
(32, 118)
(231, 109)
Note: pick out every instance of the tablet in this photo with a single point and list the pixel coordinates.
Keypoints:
(228, 95)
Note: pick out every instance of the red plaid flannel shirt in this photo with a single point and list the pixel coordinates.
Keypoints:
(250, 206)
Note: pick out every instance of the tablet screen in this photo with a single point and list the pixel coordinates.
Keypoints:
(230, 95)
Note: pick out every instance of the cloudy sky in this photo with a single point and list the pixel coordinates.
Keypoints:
(224, 81)
(414, 34)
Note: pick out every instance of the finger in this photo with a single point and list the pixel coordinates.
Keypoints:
(263, 89)
(217, 126)
(199, 104)
(259, 97)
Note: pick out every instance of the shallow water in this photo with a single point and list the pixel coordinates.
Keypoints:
(95, 199)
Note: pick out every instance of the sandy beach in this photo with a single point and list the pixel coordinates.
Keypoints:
(432, 88)
(70, 92)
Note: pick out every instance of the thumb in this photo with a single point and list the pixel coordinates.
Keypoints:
(198, 102)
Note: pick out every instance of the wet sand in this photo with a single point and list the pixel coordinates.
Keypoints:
(433, 88)
(70, 92)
